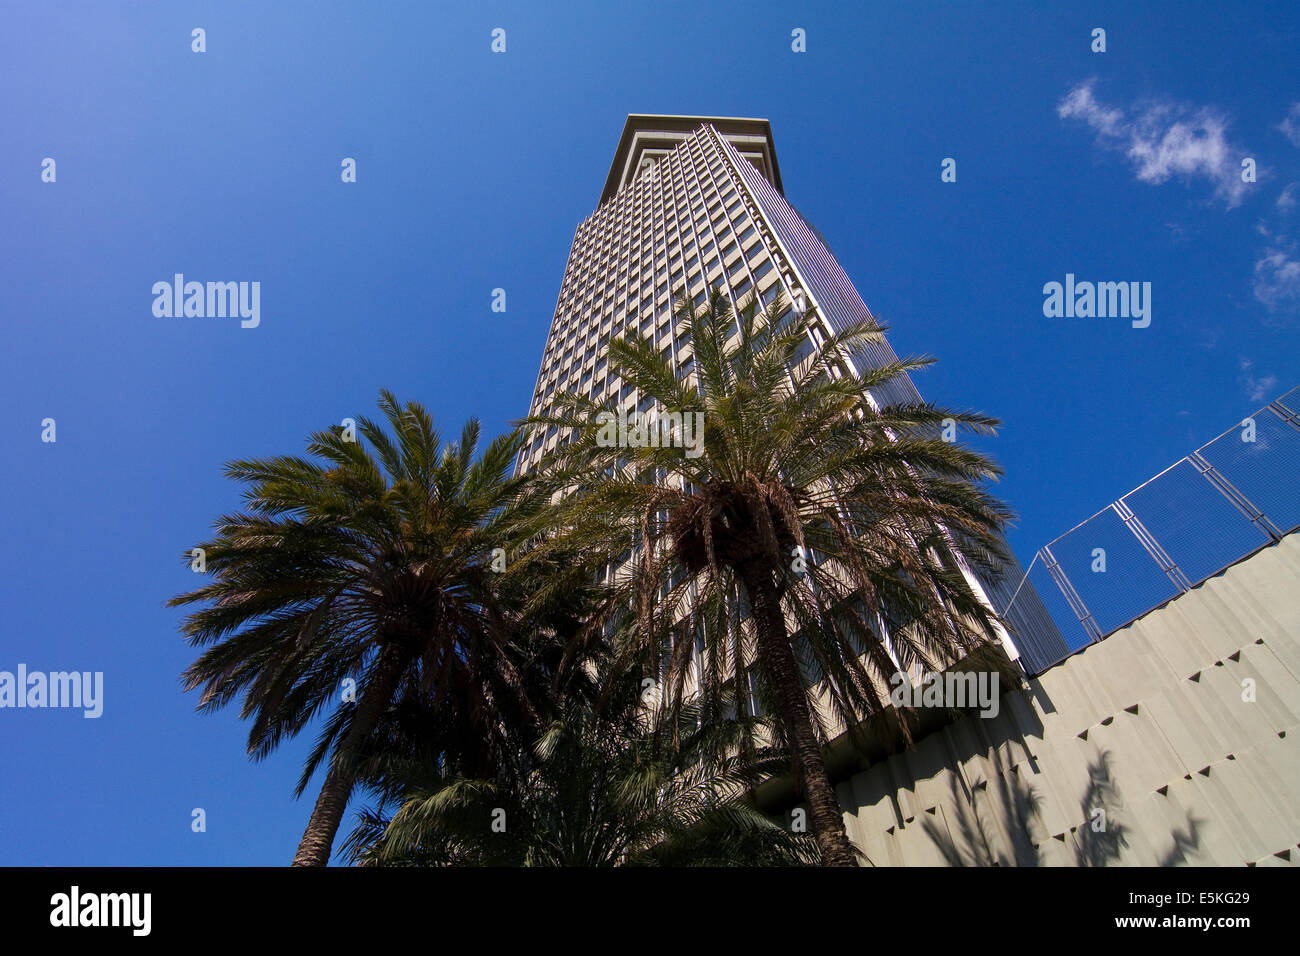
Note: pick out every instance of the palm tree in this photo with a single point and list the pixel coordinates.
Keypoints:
(598, 786)
(841, 530)
(356, 577)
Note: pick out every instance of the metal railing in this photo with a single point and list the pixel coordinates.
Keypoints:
(1223, 502)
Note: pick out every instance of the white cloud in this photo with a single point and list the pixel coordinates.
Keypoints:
(1286, 201)
(1258, 389)
(1163, 140)
(1290, 126)
(1277, 279)
(1079, 103)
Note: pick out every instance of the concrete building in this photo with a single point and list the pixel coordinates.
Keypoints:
(1175, 741)
(692, 204)
(1141, 749)
(1170, 737)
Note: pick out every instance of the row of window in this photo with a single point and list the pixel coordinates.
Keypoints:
(647, 234)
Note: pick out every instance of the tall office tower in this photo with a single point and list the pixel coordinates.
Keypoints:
(693, 204)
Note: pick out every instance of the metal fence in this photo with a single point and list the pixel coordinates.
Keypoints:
(1224, 501)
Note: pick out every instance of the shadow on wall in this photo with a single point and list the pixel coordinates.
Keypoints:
(1098, 842)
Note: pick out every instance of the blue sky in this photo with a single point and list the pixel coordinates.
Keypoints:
(473, 170)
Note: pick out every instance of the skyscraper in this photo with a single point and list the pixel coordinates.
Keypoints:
(693, 204)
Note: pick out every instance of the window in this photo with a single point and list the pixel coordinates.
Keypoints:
(804, 350)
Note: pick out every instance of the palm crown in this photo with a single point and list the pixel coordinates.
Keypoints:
(815, 544)
(369, 561)
(598, 785)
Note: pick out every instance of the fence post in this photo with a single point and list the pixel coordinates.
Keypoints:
(1062, 580)
(1284, 413)
(1243, 504)
(1152, 546)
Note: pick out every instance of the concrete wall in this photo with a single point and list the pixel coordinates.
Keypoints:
(1149, 726)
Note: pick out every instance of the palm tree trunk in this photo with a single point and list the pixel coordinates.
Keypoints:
(793, 712)
(318, 839)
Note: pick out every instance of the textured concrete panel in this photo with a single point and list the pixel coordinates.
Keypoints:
(1146, 749)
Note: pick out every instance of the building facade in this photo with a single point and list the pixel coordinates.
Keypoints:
(692, 205)
(1142, 749)
(1173, 742)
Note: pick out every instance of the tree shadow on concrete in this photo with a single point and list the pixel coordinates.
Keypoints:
(1001, 834)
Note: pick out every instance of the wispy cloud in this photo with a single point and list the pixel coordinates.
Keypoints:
(1277, 278)
(1277, 270)
(1290, 126)
(1286, 201)
(1163, 140)
(1258, 388)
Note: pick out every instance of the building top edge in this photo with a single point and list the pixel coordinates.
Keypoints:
(660, 130)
